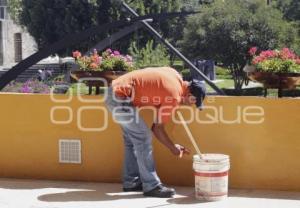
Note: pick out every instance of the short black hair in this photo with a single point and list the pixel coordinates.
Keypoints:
(198, 89)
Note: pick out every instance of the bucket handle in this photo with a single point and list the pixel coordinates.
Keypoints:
(189, 134)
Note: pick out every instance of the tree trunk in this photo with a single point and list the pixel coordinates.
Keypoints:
(238, 78)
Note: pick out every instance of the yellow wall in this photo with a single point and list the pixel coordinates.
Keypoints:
(262, 156)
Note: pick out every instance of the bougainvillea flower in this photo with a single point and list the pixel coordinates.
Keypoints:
(117, 53)
(286, 53)
(76, 54)
(252, 51)
(129, 58)
(108, 51)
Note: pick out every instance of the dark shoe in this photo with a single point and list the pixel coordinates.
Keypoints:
(136, 188)
(161, 192)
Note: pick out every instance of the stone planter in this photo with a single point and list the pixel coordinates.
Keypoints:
(278, 81)
(109, 76)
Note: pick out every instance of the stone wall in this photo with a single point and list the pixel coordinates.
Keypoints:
(9, 28)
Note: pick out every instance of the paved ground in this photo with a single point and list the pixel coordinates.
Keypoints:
(56, 194)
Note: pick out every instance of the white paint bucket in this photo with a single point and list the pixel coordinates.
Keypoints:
(211, 176)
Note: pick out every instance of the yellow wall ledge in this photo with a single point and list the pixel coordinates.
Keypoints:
(263, 156)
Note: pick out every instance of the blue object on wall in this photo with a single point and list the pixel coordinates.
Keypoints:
(207, 67)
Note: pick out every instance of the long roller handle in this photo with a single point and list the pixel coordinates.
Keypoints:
(189, 134)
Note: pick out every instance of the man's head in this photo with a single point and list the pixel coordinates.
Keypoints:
(196, 94)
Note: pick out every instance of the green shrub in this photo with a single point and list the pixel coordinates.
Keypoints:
(186, 74)
(150, 55)
(223, 73)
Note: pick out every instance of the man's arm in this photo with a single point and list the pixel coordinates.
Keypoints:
(160, 133)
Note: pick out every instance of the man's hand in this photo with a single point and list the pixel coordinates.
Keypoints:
(179, 150)
(161, 135)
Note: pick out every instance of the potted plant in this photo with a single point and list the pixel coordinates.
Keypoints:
(274, 68)
(109, 65)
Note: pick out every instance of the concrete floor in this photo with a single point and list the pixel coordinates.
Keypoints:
(16, 193)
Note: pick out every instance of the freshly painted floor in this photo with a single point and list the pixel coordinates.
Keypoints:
(16, 193)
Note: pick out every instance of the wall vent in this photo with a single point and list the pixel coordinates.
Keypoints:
(69, 151)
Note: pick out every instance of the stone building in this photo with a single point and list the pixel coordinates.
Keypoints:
(15, 43)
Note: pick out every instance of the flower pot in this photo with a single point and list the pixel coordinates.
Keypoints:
(276, 80)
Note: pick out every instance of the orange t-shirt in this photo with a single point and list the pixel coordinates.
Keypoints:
(161, 87)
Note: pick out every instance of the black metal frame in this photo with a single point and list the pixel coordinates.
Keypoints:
(76, 38)
(171, 47)
(72, 39)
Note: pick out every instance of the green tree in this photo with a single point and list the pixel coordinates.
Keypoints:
(14, 7)
(49, 21)
(290, 9)
(171, 29)
(225, 31)
(291, 12)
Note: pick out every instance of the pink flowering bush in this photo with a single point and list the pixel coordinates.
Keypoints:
(284, 60)
(109, 60)
(30, 86)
